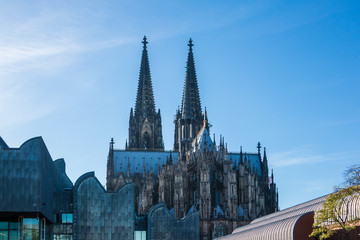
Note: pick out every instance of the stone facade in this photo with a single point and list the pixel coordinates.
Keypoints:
(228, 189)
(145, 130)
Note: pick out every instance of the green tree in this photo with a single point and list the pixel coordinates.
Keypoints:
(335, 213)
(352, 175)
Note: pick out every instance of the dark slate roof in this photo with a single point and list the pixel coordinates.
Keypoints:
(199, 141)
(253, 157)
(3, 143)
(136, 159)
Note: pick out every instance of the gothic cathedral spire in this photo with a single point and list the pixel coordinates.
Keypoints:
(189, 121)
(145, 130)
(191, 105)
(145, 104)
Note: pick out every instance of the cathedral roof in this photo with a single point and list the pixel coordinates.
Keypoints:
(136, 160)
(191, 210)
(203, 139)
(252, 157)
(240, 211)
(219, 211)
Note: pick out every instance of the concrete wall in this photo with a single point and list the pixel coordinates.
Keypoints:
(102, 215)
(163, 225)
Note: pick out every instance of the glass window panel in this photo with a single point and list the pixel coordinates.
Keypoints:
(143, 235)
(137, 235)
(63, 237)
(140, 235)
(67, 218)
(31, 228)
(4, 226)
(3, 235)
(14, 231)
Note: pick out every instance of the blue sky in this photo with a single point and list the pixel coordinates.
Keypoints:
(285, 73)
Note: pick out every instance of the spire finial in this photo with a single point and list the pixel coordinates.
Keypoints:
(112, 144)
(205, 118)
(144, 41)
(258, 147)
(190, 44)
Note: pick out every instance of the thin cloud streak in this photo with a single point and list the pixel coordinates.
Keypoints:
(304, 156)
(61, 31)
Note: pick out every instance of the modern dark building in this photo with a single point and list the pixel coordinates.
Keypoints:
(38, 201)
(35, 193)
(229, 189)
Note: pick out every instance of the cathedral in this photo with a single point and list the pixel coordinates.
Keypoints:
(228, 189)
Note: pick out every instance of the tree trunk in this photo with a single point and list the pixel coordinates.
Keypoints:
(347, 236)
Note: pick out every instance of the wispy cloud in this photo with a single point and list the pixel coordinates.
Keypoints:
(36, 44)
(296, 157)
(305, 156)
(48, 32)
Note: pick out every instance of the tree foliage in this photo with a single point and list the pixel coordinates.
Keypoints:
(352, 175)
(335, 213)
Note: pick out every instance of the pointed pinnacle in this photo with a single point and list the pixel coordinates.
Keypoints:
(190, 44)
(144, 41)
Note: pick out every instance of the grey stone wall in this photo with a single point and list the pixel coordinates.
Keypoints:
(102, 215)
(163, 225)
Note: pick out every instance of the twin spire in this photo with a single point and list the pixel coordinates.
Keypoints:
(145, 104)
(145, 130)
(191, 105)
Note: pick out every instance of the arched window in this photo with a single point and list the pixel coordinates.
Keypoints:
(220, 230)
(146, 140)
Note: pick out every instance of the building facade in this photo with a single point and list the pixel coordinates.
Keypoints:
(39, 202)
(228, 189)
